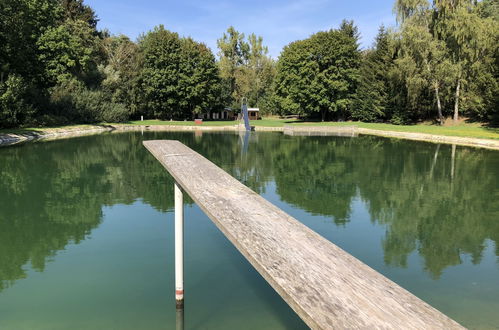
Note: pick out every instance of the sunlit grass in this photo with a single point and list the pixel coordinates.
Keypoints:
(472, 130)
(462, 130)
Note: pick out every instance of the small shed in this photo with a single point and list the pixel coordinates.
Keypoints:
(225, 114)
(253, 113)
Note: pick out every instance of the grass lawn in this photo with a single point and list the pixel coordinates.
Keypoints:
(473, 130)
(182, 123)
(462, 130)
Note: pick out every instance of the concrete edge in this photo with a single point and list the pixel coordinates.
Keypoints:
(11, 139)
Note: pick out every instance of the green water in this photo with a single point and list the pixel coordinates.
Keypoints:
(86, 228)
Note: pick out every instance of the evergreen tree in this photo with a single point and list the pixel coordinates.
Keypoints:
(373, 94)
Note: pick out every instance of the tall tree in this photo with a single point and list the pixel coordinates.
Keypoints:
(460, 45)
(423, 57)
(245, 68)
(472, 40)
(372, 98)
(161, 51)
(293, 79)
(179, 76)
(255, 78)
(76, 10)
(319, 75)
(199, 83)
(233, 54)
(121, 71)
(68, 50)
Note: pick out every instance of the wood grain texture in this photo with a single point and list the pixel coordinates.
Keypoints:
(327, 287)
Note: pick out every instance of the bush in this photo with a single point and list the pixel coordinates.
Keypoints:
(77, 103)
(114, 113)
(15, 110)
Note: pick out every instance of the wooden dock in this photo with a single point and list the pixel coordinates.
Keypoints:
(327, 287)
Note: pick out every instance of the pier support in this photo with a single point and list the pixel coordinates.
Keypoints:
(179, 319)
(179, 247)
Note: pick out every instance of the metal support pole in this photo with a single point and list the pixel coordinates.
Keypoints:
(179, 319)
(179, 247)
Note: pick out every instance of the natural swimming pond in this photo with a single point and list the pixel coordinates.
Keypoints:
(86, 228)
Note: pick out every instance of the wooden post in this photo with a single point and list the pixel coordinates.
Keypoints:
(179, 247)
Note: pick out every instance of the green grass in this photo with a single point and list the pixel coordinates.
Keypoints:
(462, 130)
(181, 123)
(262, 122)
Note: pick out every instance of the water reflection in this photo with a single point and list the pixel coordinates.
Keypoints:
(437, 200)
(53, 194)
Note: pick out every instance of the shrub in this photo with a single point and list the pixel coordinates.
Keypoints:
(14, 109)
(74, 101)
(114, 113)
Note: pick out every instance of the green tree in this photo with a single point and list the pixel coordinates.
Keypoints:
(471, 39)
(320, 74)
(372, 99)
(259, 75)
(233, 54)
(161, 52)
(14, 106)
(68, 50)
(293, 79)
(179, 76)
(433, 70)
(76, 10)
(121, 71)
(199, 82)
(246, 70)
(21, 25)
(450, 40)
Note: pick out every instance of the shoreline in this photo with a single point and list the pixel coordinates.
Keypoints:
(12, 138)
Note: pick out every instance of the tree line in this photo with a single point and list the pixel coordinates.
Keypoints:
(56, 67)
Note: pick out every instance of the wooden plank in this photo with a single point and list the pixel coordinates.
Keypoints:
(327, 287)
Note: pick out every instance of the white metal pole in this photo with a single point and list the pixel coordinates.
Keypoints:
(179, 247)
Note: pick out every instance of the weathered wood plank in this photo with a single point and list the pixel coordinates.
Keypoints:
(327, 287)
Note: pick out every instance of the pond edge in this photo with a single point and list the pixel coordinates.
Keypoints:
(11, 138)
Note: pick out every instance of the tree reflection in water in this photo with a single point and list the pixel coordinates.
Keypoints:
(438, 200)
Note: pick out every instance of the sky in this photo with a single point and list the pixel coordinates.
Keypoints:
(279, 22)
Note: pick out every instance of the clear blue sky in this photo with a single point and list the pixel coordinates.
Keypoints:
(279, 22)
